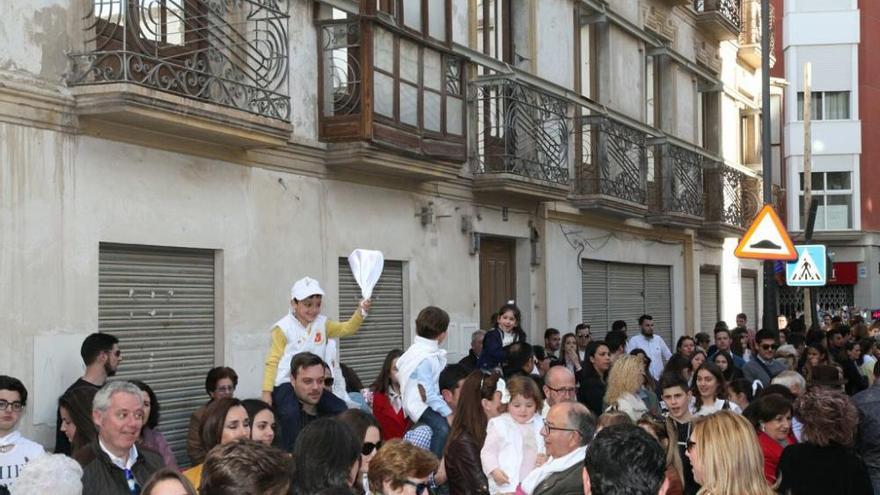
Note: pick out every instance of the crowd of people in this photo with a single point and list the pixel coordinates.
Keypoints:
(738, 413)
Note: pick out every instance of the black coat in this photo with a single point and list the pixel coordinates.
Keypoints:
(591, 390)
(807, 469)
(102, 477)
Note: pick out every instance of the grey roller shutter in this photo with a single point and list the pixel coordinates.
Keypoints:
(624, 291)
(383, 329)
(594, 297)
(708, 301)
(658, 300)
(750, 300)
(159, 302)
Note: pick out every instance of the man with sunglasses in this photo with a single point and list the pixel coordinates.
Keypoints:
(305, 398)
(15, 450)
(583, 337)
(101, 355)
(764, 367)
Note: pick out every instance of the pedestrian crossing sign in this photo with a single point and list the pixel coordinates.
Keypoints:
(809, 270)
(766, 238)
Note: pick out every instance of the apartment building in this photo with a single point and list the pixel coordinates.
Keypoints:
(835, 37)
(167, 172)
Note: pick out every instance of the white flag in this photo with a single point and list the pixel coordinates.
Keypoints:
(366, 266)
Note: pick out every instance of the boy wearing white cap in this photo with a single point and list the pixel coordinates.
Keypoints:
(304, 329)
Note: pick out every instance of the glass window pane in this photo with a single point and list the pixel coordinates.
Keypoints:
(453, 76)
(817, 182)
(383, 87)
(433, 70)
(409, 104)
(837, 105)
(815, 106)
(433, 106)
(437, 19)
(454, 109)
(383, 49)
(838, 180)
(412, 14)
(838, 213)
(409, 61)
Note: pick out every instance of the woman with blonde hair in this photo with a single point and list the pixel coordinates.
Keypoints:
(626, 378)
(726, 457)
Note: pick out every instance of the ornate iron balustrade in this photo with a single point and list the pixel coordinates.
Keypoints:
(677, 181)
(726, 196)
(750, 33)
(729, 9)
(521, 130)
(613, 160)
(340, 52)
(229, 52)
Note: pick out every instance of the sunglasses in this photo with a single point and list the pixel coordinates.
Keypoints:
(369, 447)
(328, 382)
(420, 487)
(767, 347)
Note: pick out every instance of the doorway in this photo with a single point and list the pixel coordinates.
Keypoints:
(497, 275)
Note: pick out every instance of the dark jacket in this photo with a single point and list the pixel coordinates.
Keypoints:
(494, 355)
(807, 469)
(568, 482)
(464, 468)
(194, 447)
(591, 390)
(469, 361)
(868, 443)
(291, 417)
(102, 477)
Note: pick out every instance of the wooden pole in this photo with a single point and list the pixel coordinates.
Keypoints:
(808, 179)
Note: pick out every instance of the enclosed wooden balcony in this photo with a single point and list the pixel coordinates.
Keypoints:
(750, 36)
(522, 140)
(612, 167)
(390, 101)
(718, 18)
(675, 186)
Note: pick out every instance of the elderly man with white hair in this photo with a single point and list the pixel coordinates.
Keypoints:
(114, 465)
(55, 474)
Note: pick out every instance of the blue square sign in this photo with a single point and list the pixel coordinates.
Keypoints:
(809, 270)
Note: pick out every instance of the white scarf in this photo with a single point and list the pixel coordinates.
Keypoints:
(420, 350)
(552, 466)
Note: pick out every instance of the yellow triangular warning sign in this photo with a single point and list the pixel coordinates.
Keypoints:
(766, 239)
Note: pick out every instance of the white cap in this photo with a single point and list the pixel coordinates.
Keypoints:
(305, 288)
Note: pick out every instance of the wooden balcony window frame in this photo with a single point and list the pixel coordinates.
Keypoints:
(396, 10)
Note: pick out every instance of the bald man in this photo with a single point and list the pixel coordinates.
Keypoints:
(559, 386)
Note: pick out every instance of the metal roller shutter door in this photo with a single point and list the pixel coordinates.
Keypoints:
(750, 300)
(658, 300)
(159, 302)
(383, 329)
(624, 291)
(594, 297)
(708, 301)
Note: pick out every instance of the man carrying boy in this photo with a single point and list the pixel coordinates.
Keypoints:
(15, 450)
(418, 371)
(674, 392)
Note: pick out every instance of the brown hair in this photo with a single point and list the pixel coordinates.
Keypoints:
(469, 415)
(215, 419)
(526, 387)
(78, 404)
(246, 466)
(611, 418)
(167, 474)
(431, 322)
(396, 462)
(829, 417)
(217, 374)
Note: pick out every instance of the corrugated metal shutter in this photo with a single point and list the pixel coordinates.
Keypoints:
(159, 302)
(594, 296)
(750, 300)
(625, 291)
(708, 301)
(384, 327)
(658, 300)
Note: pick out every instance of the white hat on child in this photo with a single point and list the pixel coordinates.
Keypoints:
(305, 288)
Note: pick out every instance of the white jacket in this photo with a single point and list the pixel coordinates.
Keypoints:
(421, 349)
(504, 430)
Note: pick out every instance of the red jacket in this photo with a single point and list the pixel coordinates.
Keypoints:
(394, 424)
(772, 452)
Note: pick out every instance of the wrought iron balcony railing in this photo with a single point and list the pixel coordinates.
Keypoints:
(521, 130)
(676, 186)
(613, 160)
(729, 9)
(731, 197)
(750, 35)
(228, 52)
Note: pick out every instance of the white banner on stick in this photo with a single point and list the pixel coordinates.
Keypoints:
(366, 266)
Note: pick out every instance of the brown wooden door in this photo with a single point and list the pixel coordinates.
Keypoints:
(497, 276)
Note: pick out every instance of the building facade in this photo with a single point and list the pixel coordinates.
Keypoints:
(169, 170)
(834, 38)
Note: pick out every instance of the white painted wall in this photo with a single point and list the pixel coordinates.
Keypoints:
(555, 42)
(820, 28)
